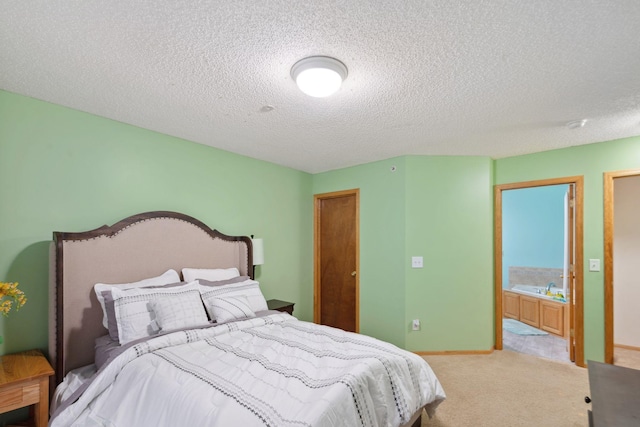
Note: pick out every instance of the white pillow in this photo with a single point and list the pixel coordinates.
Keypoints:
(133, 313)
(214, 274)
(229, 308)
(184, 310)
(169, 276)
(249, 289)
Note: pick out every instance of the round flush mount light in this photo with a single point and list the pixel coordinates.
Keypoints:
(319, 76)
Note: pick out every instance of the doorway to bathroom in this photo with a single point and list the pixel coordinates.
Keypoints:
(538, 268)
(622, 250)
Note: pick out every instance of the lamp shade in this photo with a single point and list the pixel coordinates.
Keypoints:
(319, 76)
(258, 251)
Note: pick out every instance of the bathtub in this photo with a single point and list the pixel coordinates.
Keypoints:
(536, 291)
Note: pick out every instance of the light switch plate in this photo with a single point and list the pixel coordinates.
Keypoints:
(417, 262)
(594, 265)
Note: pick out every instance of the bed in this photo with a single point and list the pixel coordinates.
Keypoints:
(201, 348)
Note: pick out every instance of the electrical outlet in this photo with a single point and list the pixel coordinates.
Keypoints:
(415, 325)
(594, 265)
(416, 262)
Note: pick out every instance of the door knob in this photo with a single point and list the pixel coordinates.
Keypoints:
(353, 274)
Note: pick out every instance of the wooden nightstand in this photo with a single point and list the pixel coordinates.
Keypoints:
(24, 381)
(276, 304)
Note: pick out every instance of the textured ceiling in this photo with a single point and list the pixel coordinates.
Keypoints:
(489, 78)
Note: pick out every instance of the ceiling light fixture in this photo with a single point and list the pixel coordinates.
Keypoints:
(319, 76)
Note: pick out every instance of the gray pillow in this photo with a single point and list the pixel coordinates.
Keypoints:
(238, 279)
(110, 310)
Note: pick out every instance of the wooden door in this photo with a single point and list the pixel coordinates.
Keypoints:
(336, 260)
(571, 300)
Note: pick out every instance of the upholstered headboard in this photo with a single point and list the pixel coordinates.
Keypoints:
(138, 247)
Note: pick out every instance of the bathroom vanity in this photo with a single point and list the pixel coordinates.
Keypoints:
(539, 312)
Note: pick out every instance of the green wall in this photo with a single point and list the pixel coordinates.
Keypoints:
(439, 208)
(64, 170)
(382, 235)
(449, 211)
(591, 161)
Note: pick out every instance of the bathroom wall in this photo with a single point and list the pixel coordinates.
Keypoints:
(534, 276)
(533, 232)
(626, 252)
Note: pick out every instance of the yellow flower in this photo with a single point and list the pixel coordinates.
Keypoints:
(12, 294)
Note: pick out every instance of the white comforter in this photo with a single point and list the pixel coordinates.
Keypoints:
(272, 371)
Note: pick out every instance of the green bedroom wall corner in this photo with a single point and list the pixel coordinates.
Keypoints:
(449, 223)
(407, 204)
(382, 224)
(65, 170)
(590, 161)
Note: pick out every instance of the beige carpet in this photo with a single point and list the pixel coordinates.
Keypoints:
(509, 389)
(626, 357)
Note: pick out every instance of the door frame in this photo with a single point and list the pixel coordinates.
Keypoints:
(317, 273)
(609, 178)
(578, 182)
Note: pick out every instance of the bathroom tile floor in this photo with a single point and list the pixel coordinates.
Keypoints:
(553, 347)
(549, 346)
